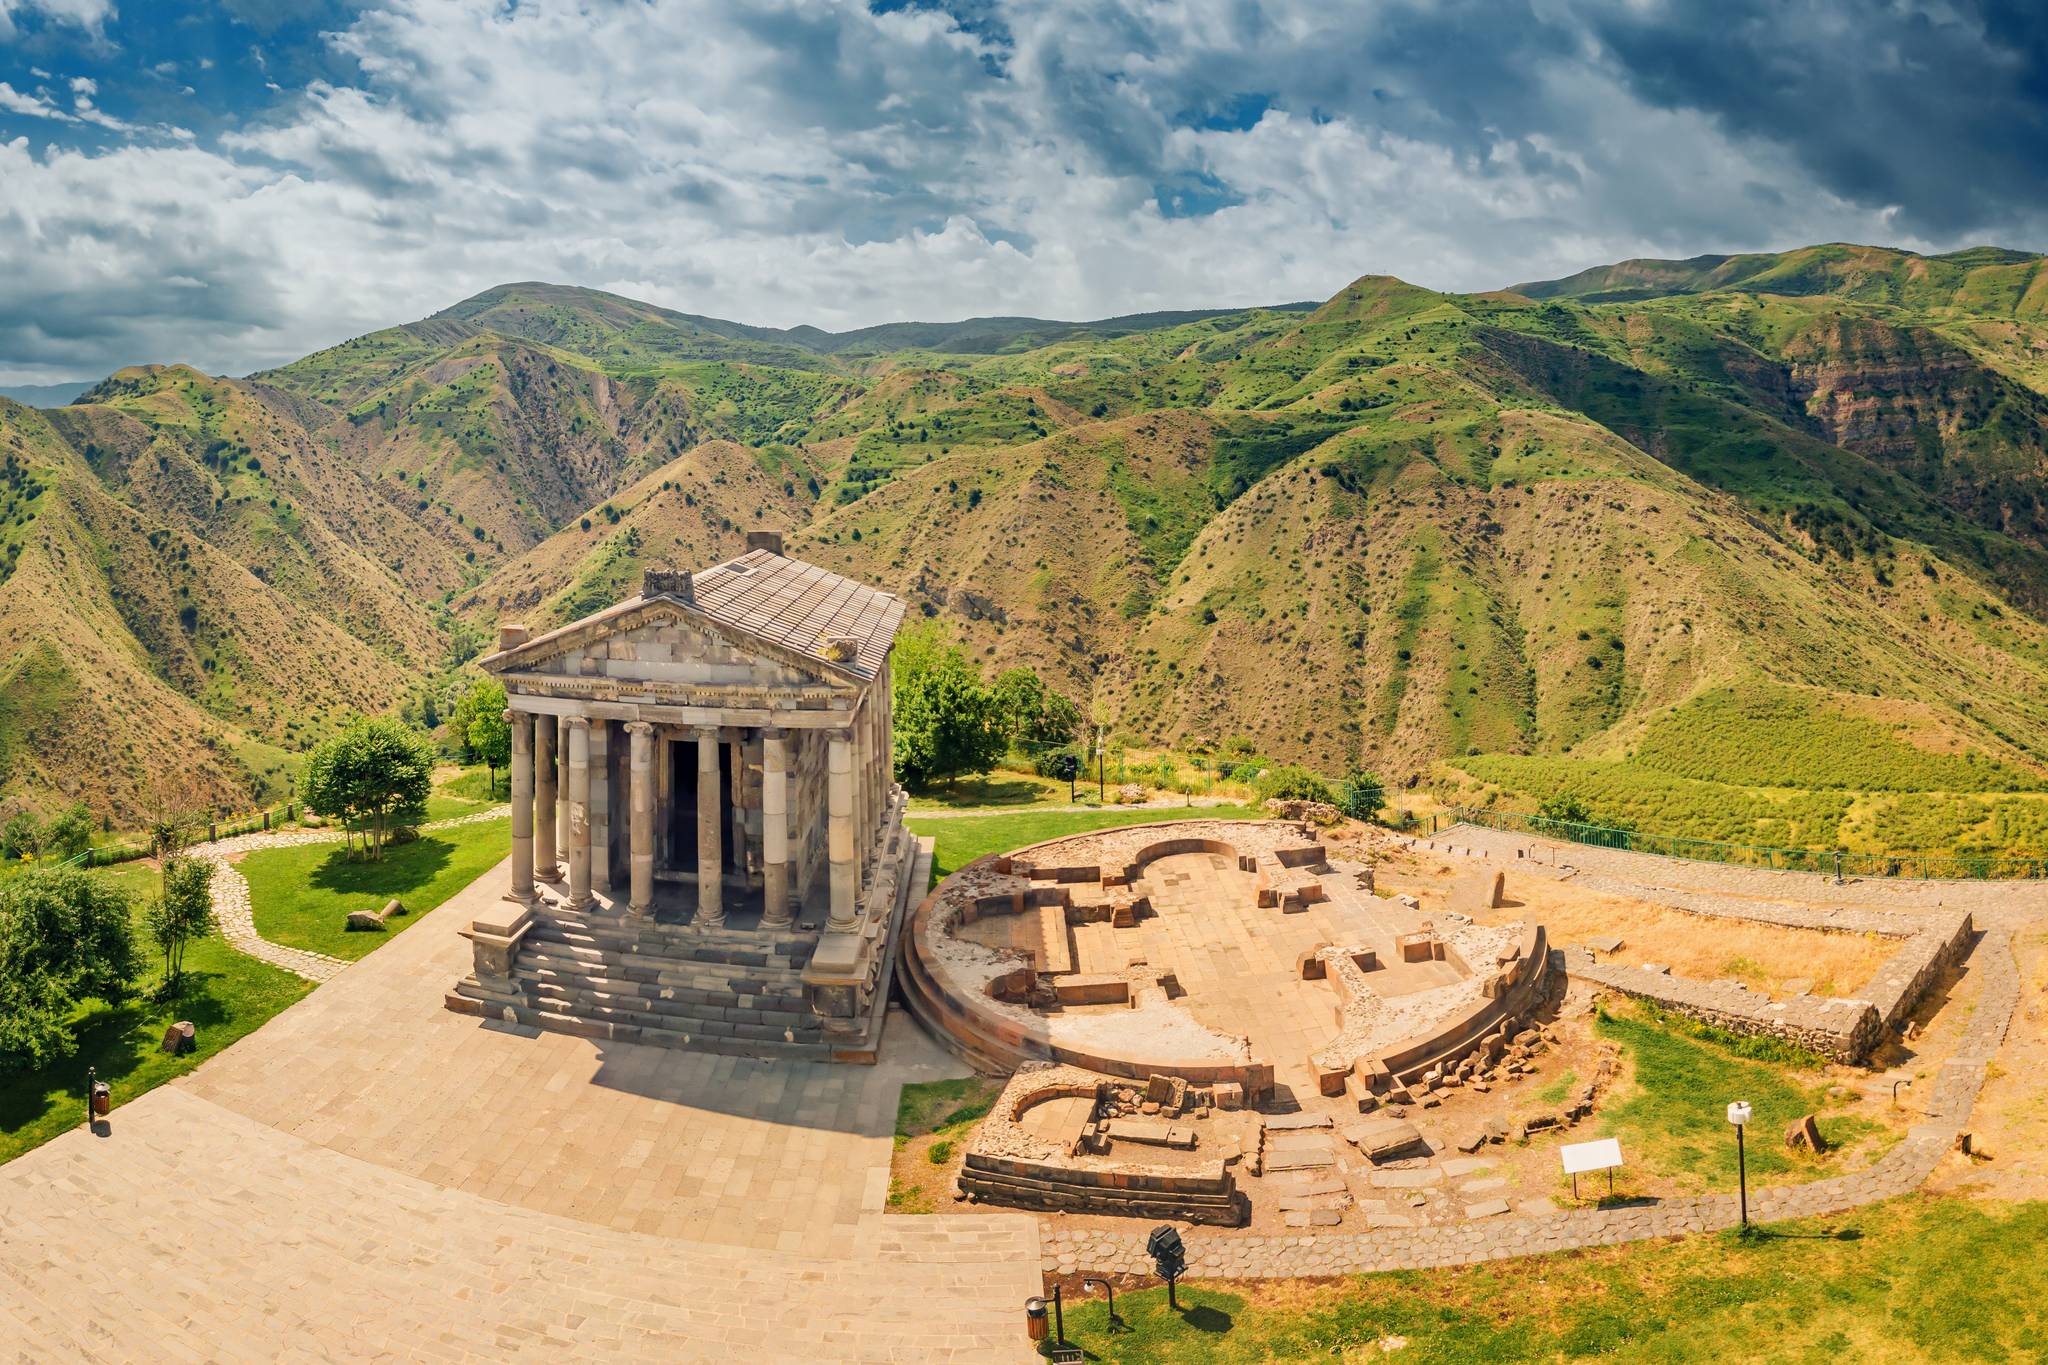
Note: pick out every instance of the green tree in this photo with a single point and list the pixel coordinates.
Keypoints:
(486, 734)
(64, 937)
(182, 913)
(1292, 782)
(22, 836)
(70, 833)
(947, 722)
(374, 777)
(1362, 796)
(1034, 717)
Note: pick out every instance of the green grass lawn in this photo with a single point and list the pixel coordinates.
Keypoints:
(1002, 789)
(1673, 1121)
(301, 896)
(1916, 1279)
(959, 840)
(226, 995)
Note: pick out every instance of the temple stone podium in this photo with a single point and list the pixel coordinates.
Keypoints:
(708, 846)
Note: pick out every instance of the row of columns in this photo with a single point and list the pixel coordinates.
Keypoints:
(536, 800)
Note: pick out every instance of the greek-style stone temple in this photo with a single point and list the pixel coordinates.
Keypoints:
(708, 846)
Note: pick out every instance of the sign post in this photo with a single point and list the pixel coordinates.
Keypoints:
(1582, 1157)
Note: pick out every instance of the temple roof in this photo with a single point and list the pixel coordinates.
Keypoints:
(800, 607)
(841, 625)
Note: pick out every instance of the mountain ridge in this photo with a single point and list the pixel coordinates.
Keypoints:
(1445, 536)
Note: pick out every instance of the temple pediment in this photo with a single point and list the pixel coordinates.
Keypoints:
(666, 642)
(759, 621)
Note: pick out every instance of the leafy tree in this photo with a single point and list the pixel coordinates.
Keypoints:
(70, 833)
(1292, 782)
(1034, 717)
(64, 937)
(1362, 796)
(947, 722)
(486, 734)
(182, 913)
(374, 777)
(1566, 807)
(483, 699)
(22, 836)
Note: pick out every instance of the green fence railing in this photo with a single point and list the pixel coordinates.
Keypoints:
(1830, 861)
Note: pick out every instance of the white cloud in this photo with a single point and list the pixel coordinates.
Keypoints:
(808, 161)
(90, 15)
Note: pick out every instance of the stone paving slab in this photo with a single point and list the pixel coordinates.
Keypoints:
(370, 1177)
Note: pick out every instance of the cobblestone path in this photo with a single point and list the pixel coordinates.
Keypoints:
(1901, 1170)
(231, 893)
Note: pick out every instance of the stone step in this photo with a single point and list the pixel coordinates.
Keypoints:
(711, 1005)
(623, 967)
(707, 1021)
(676, 944)
(596, 977)
(463, 1000)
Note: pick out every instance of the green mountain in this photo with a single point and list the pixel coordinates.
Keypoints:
(1756, 545)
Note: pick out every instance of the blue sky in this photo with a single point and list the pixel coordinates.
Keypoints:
(234, 184)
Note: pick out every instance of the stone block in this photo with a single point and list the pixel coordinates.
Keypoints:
(180, 1037)
(1229, 1095)
(1803, 1134)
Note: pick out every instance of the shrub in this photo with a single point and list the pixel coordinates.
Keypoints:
(64, 937)
(1362, 796)
(1566, 807)
(1292, 782)
(182, 913)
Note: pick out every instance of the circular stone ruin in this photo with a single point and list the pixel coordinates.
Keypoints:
(1224, 953)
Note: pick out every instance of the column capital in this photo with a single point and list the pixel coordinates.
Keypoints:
(706, 731)
(576, 722)
(639, 727)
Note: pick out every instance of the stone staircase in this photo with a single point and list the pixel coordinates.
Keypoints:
(600, 976)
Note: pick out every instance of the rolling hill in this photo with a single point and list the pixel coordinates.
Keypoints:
(1772, 526)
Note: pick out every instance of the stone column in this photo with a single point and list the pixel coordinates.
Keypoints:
(640, 827)
(578, 752)
(775, 909)
(545, 796)
(839, 833)
(710, 852)
(600, 806)
(522, 805)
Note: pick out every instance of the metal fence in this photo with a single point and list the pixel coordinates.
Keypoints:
(1830, 861)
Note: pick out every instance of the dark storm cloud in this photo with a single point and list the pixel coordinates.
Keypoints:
(1939, 109)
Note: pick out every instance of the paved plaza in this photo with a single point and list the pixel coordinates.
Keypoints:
(372, 1177)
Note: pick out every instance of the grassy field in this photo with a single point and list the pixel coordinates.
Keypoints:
(301, 896)
(1671, 1116)
(226, 995)
(1917, 1279)
(959, 840)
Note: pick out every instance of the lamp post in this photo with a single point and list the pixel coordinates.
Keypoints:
(1109, 1289)
(1169, 1257)
(1738, 1114)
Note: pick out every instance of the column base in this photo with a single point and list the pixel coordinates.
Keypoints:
(550, 874)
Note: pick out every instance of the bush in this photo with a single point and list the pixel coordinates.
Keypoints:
(947, 724)
(64, 937)
(1292, 782)
(1362, 796)
(1565, 807)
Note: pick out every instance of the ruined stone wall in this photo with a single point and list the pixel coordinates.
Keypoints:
(1010, 1166)
(1841, 1030)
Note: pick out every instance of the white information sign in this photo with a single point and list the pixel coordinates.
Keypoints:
(1581, 1157)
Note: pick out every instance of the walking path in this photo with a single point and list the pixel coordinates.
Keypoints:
(371, 1177)
(231, 892)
